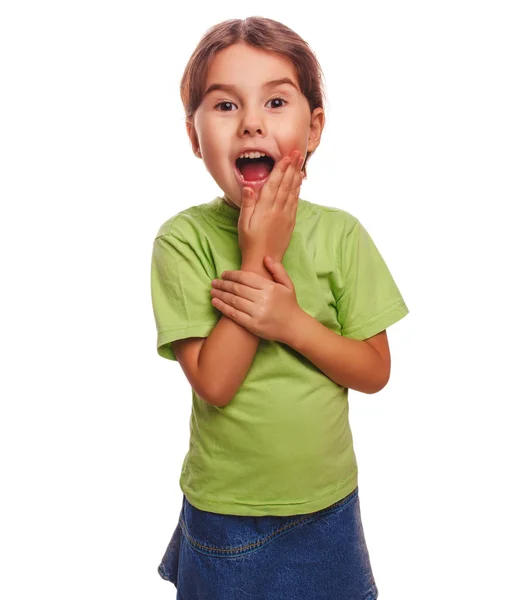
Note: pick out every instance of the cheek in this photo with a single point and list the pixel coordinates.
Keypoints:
(293, 132)
(215, 138)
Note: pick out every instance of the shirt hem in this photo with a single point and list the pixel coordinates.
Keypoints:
(166, 336)
(228, 507)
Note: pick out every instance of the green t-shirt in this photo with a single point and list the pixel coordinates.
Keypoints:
(283, 445)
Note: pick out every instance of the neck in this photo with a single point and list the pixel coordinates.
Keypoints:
(229, 202)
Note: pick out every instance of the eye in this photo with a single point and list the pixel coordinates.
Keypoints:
(225, 102)
(221, 103)
(278, 99)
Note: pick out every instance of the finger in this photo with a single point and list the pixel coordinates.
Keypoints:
(246, 209)
(234, 312)
(249, 278)
(238, 289)
(293, 195)
(286, 184)
(269, 190)
(293, 206)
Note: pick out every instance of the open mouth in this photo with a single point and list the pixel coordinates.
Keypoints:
(252, 170)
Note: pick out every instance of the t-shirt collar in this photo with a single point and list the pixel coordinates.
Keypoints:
(219, 206)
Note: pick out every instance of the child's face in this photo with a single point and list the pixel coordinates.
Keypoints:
(251, 117)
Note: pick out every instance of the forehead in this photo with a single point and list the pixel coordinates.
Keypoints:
(247, 66)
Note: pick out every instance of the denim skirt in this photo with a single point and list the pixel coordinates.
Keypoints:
(315, 556)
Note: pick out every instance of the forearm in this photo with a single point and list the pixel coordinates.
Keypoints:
(350, 363)
(227, 354)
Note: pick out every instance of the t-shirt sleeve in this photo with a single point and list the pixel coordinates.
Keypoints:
(180, 288)
(369, 301)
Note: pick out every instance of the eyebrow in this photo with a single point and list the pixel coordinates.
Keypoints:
(232, 88)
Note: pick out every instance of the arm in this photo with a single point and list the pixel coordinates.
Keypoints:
(362, 365)
(228, 352)
(263, 229)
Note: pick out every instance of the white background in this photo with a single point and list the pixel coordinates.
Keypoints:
(422, 143)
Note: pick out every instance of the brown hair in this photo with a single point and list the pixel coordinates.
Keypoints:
(259, 32)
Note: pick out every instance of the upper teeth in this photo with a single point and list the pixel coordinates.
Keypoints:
(252, 155)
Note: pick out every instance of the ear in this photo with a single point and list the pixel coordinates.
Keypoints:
(316, 128)
(191, 131)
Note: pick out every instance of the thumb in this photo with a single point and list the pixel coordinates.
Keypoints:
(278, 271)
(247, 208)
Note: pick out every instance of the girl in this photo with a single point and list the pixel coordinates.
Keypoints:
(273, 306)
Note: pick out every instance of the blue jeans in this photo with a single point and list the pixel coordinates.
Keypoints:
(315, 556)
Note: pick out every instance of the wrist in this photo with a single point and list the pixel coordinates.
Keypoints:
(296, 329)
(256, 265)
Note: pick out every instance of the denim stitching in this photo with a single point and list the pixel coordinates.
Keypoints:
(277, 532)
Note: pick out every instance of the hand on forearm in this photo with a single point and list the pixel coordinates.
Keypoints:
(265, 307)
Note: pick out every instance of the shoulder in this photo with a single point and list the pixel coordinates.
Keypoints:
(184, 224)
(335, 219)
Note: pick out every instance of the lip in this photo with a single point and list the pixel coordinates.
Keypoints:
(247, 150)
(255, 185)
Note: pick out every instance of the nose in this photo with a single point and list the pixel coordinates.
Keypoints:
(252, 122)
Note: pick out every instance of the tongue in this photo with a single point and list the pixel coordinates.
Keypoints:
(255, 171)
